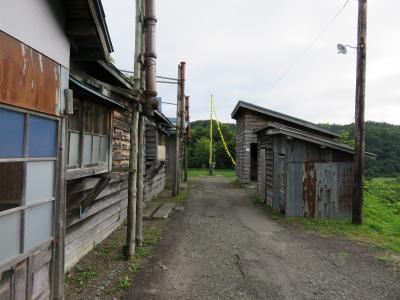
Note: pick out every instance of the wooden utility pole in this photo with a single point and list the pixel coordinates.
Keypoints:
(176, 185)
(187, 136)
(140, 182)
(182, 115)
(211, 158)
(129, 250)
(130, 245)
(359, 155)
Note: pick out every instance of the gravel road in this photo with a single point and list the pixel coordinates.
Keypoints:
(224, 247)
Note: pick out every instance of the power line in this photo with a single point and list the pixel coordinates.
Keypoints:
(301, 56)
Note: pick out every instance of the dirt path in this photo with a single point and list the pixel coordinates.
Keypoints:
(223, 247)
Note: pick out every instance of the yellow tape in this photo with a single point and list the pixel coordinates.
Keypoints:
(214, 111)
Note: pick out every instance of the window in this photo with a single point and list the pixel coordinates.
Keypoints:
(28, 154)
(89, 136)
(161, 149)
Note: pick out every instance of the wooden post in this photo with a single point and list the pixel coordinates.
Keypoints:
(129, 249)
(60, 216)
(140, 180)
(211, 160)
(187, 137)
(359, 155)
(175, 190)
(185, 177)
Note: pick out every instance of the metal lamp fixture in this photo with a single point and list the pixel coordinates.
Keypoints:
(342, 49)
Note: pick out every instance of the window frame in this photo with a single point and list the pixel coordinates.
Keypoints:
(25, 160)
(82, 170)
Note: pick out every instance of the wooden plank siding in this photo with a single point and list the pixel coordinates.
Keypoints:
(246, 123)
(155, 180)
(108, 211)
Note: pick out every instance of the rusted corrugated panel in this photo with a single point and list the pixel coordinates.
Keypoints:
(27, 78)
(309, 189)
(345, 189)
(326, 190)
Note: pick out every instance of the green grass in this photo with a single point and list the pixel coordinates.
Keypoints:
(227, 173)
(381, 217)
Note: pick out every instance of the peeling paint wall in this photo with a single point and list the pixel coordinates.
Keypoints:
(27, 78)
(39, 24)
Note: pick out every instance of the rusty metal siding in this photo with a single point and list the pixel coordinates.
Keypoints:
(322, 190)
(309, 189)
(27, 78)
(345, 189)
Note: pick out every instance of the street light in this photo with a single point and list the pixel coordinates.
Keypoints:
(342, 49)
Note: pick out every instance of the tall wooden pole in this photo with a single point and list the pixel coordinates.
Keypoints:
(129, 249)
(187, 132)
(359, 155)
(182, 122)
(140, 182)
(175, 189)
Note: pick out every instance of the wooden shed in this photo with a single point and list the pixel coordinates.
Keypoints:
(301, 169)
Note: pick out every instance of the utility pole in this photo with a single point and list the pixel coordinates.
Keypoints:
(183, 118)
(130, 246)
(177, 173)
(211, 159)
(187, 119)
(359, 155)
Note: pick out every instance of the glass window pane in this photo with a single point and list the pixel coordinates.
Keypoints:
(38, 224)
(87, 149)
(73, 158)
(96, 149)
(10, 185)
(10, 235)
(42, 137)
(104, 149)
(39, 181)
(11, 134)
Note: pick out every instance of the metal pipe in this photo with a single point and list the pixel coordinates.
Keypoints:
(182, 98)
(167, 82)
(150, 55)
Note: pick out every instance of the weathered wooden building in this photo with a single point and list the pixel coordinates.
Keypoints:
(301, 169)
(65, 131)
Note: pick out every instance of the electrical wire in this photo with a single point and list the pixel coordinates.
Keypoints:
(303, 54)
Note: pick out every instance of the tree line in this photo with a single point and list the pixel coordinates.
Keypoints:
(382, 139)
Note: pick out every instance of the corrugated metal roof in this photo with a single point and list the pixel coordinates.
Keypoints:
(281, 116)
(96, 93)
(273, 128)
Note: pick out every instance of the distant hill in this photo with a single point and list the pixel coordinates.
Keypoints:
(383, 139)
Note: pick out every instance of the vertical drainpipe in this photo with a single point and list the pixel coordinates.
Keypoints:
(150, 21)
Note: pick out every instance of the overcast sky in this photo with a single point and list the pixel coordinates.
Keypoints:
(238, 49)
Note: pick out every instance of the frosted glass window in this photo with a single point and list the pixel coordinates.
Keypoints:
(103, 149)
(74, 139)
(38, 224)
(10, 185)
(39, 181)
(9, 236)
(42, 137)
(87, 149)
(11, 134)
(96, 149)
